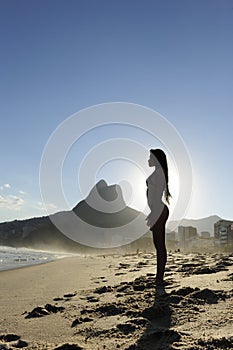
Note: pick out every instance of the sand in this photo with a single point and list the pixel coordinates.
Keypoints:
(112, 302)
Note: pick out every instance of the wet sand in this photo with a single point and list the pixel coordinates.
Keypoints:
(112, 302)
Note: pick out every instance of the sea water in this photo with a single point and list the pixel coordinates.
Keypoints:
(11, 258)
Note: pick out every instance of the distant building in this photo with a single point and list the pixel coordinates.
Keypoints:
(223, 232)
(205, 234)
(187, 232)
(187, 236)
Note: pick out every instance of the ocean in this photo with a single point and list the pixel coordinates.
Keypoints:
(12, 258)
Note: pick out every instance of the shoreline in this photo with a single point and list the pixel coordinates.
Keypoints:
(31, 265)
(16, 258)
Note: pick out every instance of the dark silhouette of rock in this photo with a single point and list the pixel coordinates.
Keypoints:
(111, 212)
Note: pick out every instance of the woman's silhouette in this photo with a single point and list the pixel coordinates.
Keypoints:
(157, 186)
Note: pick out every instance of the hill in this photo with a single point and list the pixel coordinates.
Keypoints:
(102, 220)
(204, 224)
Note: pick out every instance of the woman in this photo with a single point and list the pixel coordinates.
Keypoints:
(157, 186)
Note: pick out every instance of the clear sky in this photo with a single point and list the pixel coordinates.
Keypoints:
(60, 56)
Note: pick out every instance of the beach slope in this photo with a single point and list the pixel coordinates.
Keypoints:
(112, 302)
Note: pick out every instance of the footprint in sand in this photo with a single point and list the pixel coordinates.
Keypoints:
(101, 278)
(14, 341)
(68, 347)
(91, 299)
(70, 295)
(81, 320)
(222, 343)
(65, 297)
(9, 337)
(104, 289)
(123, 266)
(44, 311)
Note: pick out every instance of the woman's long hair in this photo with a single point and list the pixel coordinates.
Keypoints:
(162, 159)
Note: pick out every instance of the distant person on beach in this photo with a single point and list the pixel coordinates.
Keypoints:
(157, 186)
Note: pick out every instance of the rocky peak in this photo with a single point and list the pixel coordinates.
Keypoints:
(105, 198)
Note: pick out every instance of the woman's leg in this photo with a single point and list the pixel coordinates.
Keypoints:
(161, 251)
(159, 242)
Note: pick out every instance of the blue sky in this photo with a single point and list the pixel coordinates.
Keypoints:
(60, 56)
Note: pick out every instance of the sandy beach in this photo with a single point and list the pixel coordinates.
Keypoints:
(112, 302)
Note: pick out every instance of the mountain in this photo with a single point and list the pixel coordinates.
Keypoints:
(101, 220)
(105, 207)
(204, 224)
